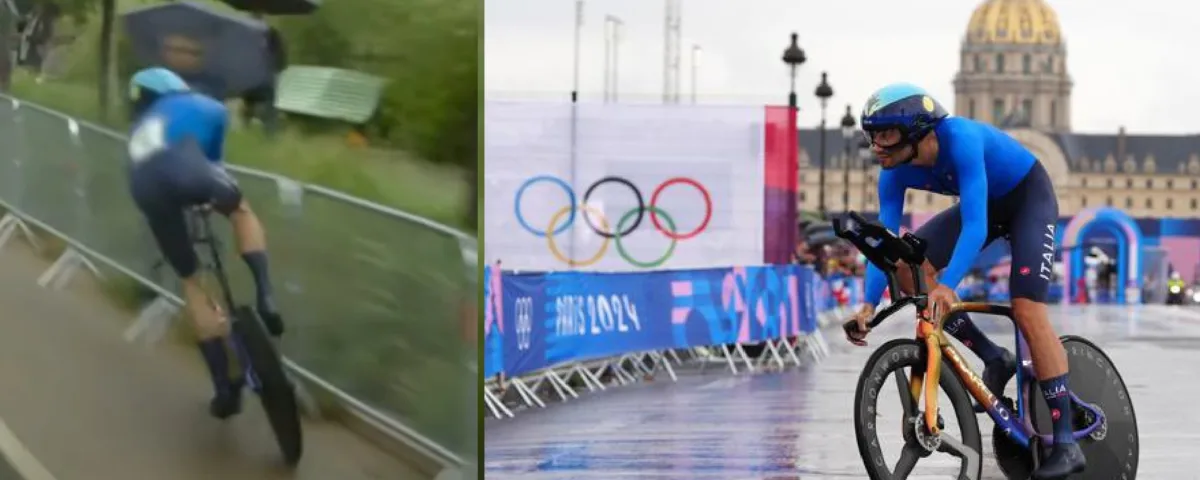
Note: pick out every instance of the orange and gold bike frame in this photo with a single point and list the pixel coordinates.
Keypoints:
(938, 346)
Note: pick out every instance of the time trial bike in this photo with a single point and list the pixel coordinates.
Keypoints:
(1105, 424)
(264, 374)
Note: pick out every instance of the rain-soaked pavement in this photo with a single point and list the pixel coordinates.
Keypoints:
(797, 424)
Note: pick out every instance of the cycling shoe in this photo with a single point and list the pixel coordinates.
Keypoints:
(996, 375)
(229, 403)
(1065, 459)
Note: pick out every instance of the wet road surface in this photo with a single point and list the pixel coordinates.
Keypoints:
(86, 405)
(797, 424)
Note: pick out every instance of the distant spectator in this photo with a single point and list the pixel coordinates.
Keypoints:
(803, 254)
(259, 102)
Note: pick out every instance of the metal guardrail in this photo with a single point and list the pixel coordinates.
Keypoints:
(372, 295)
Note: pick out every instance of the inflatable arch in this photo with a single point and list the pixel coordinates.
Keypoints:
(1129, 251)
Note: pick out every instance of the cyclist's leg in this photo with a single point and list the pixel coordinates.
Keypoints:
(941, 234)
(165, 217)
(251, 240)
(1032, 236)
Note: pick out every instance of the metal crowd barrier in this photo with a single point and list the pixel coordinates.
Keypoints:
(533, 354)
(372, 295)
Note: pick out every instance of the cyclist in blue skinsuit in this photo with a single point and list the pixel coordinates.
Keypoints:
(1007, 193)
(175, 153)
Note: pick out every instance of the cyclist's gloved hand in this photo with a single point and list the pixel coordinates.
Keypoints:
(856, 328)
(940, 299)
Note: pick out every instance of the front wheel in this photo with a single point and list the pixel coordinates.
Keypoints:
(888, 370)
(277, 396)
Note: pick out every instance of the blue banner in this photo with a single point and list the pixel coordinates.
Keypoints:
(839, 290)
(537, 320)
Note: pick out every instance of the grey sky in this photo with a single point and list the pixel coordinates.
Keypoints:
(1134, 63)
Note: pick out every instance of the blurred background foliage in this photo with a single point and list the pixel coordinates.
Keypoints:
(426, 49)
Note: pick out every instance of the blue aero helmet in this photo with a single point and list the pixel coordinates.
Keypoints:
(150, 83)
(904, 107)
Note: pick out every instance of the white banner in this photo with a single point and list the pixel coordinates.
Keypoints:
(641, 186)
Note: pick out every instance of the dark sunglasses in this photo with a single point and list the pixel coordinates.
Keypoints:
(889, 149)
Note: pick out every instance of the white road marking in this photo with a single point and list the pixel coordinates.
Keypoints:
(20, 457)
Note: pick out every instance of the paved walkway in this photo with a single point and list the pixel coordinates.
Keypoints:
(82, 404)
(797, 424)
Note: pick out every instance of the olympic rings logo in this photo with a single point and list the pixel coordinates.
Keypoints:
(626, 224)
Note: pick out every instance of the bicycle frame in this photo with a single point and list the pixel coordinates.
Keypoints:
(885, 250)
(1017, 425)
(201, 230)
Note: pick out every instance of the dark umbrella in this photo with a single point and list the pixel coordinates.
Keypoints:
(276, 7)
(220, 53)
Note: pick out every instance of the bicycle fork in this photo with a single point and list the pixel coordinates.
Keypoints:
(929, 377)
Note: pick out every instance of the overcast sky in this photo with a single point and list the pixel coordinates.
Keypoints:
(1134, 63)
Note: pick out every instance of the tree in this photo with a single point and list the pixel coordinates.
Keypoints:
(107, 12)
(8, 24)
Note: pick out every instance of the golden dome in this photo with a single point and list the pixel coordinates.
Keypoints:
(1026, 22)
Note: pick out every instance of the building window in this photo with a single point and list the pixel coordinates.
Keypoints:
(978, 63)
(1149, 203)
(999, 63)
(1108, 183)
(1149, 183)
(908, 198)
(1048, 67)
(971, 108)
(1027, 64)
(1128, 183)
(1083, 201)
(1128, 202)
(929, 199)
(802, 196)
(1193, 184)
(1193, 204)
(1170, 204)
(997, 110)
(1083, 182)
(1053, 112)
(1108, 201)
(1027, 107)
(1170, 183)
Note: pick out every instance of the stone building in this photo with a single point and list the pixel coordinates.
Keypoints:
(1013, 74)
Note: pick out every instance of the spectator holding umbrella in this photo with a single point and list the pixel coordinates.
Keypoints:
(259, 101)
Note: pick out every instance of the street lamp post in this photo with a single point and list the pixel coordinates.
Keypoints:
(824, 91)
(847, 135)
(793, 57)
(578, 27)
